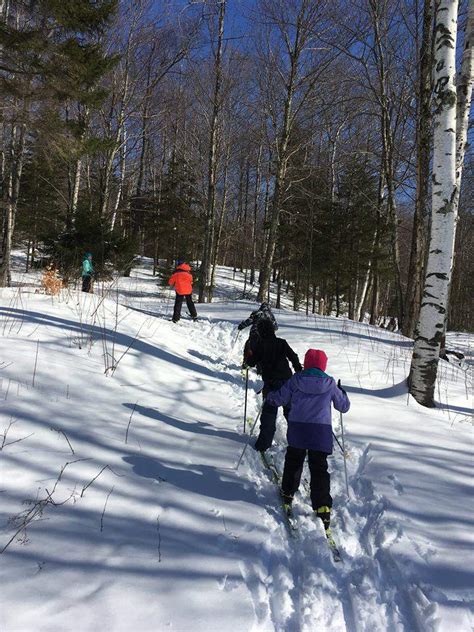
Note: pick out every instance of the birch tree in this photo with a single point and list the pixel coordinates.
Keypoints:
(445, 177)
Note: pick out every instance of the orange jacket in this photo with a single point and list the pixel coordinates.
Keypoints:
(182, 279)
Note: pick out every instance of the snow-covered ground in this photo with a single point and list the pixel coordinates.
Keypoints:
(122, 508)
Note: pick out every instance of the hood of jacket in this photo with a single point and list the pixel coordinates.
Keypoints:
(309, 382)
(184, 267)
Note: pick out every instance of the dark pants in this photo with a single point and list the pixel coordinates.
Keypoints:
(268, 418)
(318, 467)
(178, 303)
(86, 283)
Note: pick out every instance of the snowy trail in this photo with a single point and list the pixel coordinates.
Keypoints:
(170, 532)
(318, 592)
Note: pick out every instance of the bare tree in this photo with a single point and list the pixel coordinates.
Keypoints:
(292, 64)
(209, 234)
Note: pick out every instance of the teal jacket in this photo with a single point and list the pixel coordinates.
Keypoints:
(87, 269)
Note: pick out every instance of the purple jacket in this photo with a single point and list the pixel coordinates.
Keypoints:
(310, 395)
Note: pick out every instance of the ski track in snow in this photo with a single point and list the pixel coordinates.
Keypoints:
(368, 587)
(290, 577)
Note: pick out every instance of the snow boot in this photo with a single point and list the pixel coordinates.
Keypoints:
(287, 502)
(324, 513)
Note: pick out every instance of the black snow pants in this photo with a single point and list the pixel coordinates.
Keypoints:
(320, 480)
(268, 417)
(86, 283)
(178, 303)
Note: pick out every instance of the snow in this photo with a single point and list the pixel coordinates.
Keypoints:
(151, 527)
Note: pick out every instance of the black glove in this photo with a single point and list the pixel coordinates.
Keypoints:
(340, 387)
(240, 327)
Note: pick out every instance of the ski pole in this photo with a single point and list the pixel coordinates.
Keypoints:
(232, 346)
(246, 397)
(248, 438)
(338, 442)
(344, 453)
(235, 339)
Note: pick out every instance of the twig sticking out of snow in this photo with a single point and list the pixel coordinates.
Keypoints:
(40, 505)
(4, 443)
(65, 436)
(36, 363)
(103, 511)
(159, 537)
(12, 421)
(106, 467)
(114, 367)
(4, 440)
(130, 421)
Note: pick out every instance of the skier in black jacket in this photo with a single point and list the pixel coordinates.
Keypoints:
(256, 317)
(272, 355)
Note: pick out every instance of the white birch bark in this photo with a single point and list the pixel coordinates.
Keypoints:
(75, 192)
(123, 154)
(434, 304)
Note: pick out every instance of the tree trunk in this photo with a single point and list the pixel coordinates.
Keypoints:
(434, 304)
(204, 285)
(255, 217)
(281, 160)
(464, 83)
(17, 152)
(423, 149)
(215, 255)
(388, 154)
(123, 166)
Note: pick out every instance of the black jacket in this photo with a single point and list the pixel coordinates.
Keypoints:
(272, 354)
(262, 313)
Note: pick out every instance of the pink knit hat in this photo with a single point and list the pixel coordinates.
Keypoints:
(315, 359)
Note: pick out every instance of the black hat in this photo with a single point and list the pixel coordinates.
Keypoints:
(266, 328)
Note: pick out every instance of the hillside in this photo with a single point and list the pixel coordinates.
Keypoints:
(124, 507)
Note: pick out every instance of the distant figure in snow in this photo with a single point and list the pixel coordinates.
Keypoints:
(261, 314)
(272, 354)
(87, 272)
(182, 279)
(309, 395)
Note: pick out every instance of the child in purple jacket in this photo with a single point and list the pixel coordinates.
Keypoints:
(310, 395)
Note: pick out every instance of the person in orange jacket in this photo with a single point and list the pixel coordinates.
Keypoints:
(182, 279)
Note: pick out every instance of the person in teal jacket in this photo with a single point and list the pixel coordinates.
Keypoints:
(87, 272)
